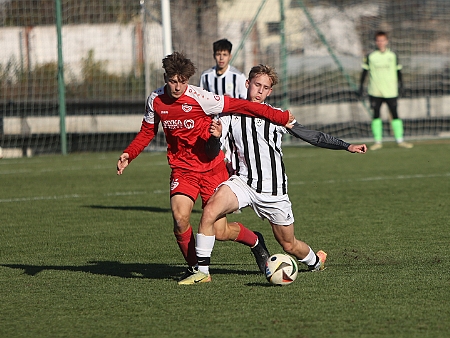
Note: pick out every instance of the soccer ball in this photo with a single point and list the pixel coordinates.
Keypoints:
(281, 269)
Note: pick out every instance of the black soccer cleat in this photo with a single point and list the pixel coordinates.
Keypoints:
(261, 253)
(191, 270)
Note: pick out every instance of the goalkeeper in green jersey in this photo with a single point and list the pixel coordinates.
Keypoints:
(385, 82)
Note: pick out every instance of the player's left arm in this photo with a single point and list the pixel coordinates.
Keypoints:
(399, 76)
(256, 109)
(323, 140)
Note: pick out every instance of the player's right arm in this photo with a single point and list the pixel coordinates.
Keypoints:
(365, 67)
(149, 128)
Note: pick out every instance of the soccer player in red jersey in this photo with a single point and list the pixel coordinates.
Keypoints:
(185, 113)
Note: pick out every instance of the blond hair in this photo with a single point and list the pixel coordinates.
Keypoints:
(264, 70)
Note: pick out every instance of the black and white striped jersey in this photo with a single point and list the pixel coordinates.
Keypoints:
(231, 82)
(256, 155)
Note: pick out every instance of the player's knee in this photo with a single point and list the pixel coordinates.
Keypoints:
(209, 214)
(181, 223)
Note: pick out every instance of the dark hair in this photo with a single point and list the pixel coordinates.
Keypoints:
(261, 70)
(380, 33)
(221, 45)
(177, 64)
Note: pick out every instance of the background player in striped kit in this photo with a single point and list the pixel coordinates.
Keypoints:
(385, 83)
(260, 181)
(224, 79)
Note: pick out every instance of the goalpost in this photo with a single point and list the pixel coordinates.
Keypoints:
(112, 59)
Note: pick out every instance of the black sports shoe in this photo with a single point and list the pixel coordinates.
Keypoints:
(260, 252)
(191, 270)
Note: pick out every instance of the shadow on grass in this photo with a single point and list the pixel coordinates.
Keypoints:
(134, 208)
(123, 270)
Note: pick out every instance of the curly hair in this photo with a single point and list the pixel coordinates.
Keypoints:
(178, 64)
(261, 70)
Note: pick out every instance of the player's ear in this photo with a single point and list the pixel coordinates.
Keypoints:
(247, 83)
(270, 91)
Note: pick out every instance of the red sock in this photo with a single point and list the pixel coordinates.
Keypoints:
(246, 236)
(186, 242)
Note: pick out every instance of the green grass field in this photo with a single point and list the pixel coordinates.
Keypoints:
(85, 253)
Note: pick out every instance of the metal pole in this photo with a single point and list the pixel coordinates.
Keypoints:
(61, 88)
(145, 49)
(249, 28)
(283, 59)
(167, 31)
(322, 38)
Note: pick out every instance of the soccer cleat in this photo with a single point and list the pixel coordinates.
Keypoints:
(189, 272)
(322, 258)
(376, 146)
(260, 252)
(196, 278)
(405, 145)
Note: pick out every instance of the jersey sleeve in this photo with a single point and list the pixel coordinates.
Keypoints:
(149, 128)
(242, 90)
(210, 103)
(256, 109)
(142, 139)
(202, 81)
(317, 138)
(399, 66)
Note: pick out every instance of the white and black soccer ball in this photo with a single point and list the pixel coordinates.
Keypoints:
(281, 269)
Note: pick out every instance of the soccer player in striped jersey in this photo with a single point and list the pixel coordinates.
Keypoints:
(385, 82)
(224, 79)
(260, 180)
(184, 112)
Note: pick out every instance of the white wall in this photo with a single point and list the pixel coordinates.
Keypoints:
(113, 44)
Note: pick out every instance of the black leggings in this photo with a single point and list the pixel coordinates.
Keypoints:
(376, 102)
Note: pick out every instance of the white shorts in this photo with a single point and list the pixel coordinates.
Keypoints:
(276, 209)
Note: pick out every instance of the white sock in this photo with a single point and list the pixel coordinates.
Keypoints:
(204, 248)
(310, 258)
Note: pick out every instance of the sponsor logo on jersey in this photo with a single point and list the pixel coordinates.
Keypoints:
(172, 124)
(174, 184)
(187, 108)
(189, 124)
(164, 112)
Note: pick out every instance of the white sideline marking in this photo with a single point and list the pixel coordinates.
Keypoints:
(109, 167)
(43, 198)
(38, 198)
(376, 178)
(130, 193)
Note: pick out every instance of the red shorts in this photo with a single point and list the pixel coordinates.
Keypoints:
(191, 183)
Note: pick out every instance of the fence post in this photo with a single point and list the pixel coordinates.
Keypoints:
(61, 86)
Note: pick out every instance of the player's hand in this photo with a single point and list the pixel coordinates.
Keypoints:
(215, 128)
(291, 118)
(122, 163)
(357, 148)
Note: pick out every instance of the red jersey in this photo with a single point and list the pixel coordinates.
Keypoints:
(186, 122)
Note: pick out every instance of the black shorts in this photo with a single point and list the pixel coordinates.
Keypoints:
(376, 102)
